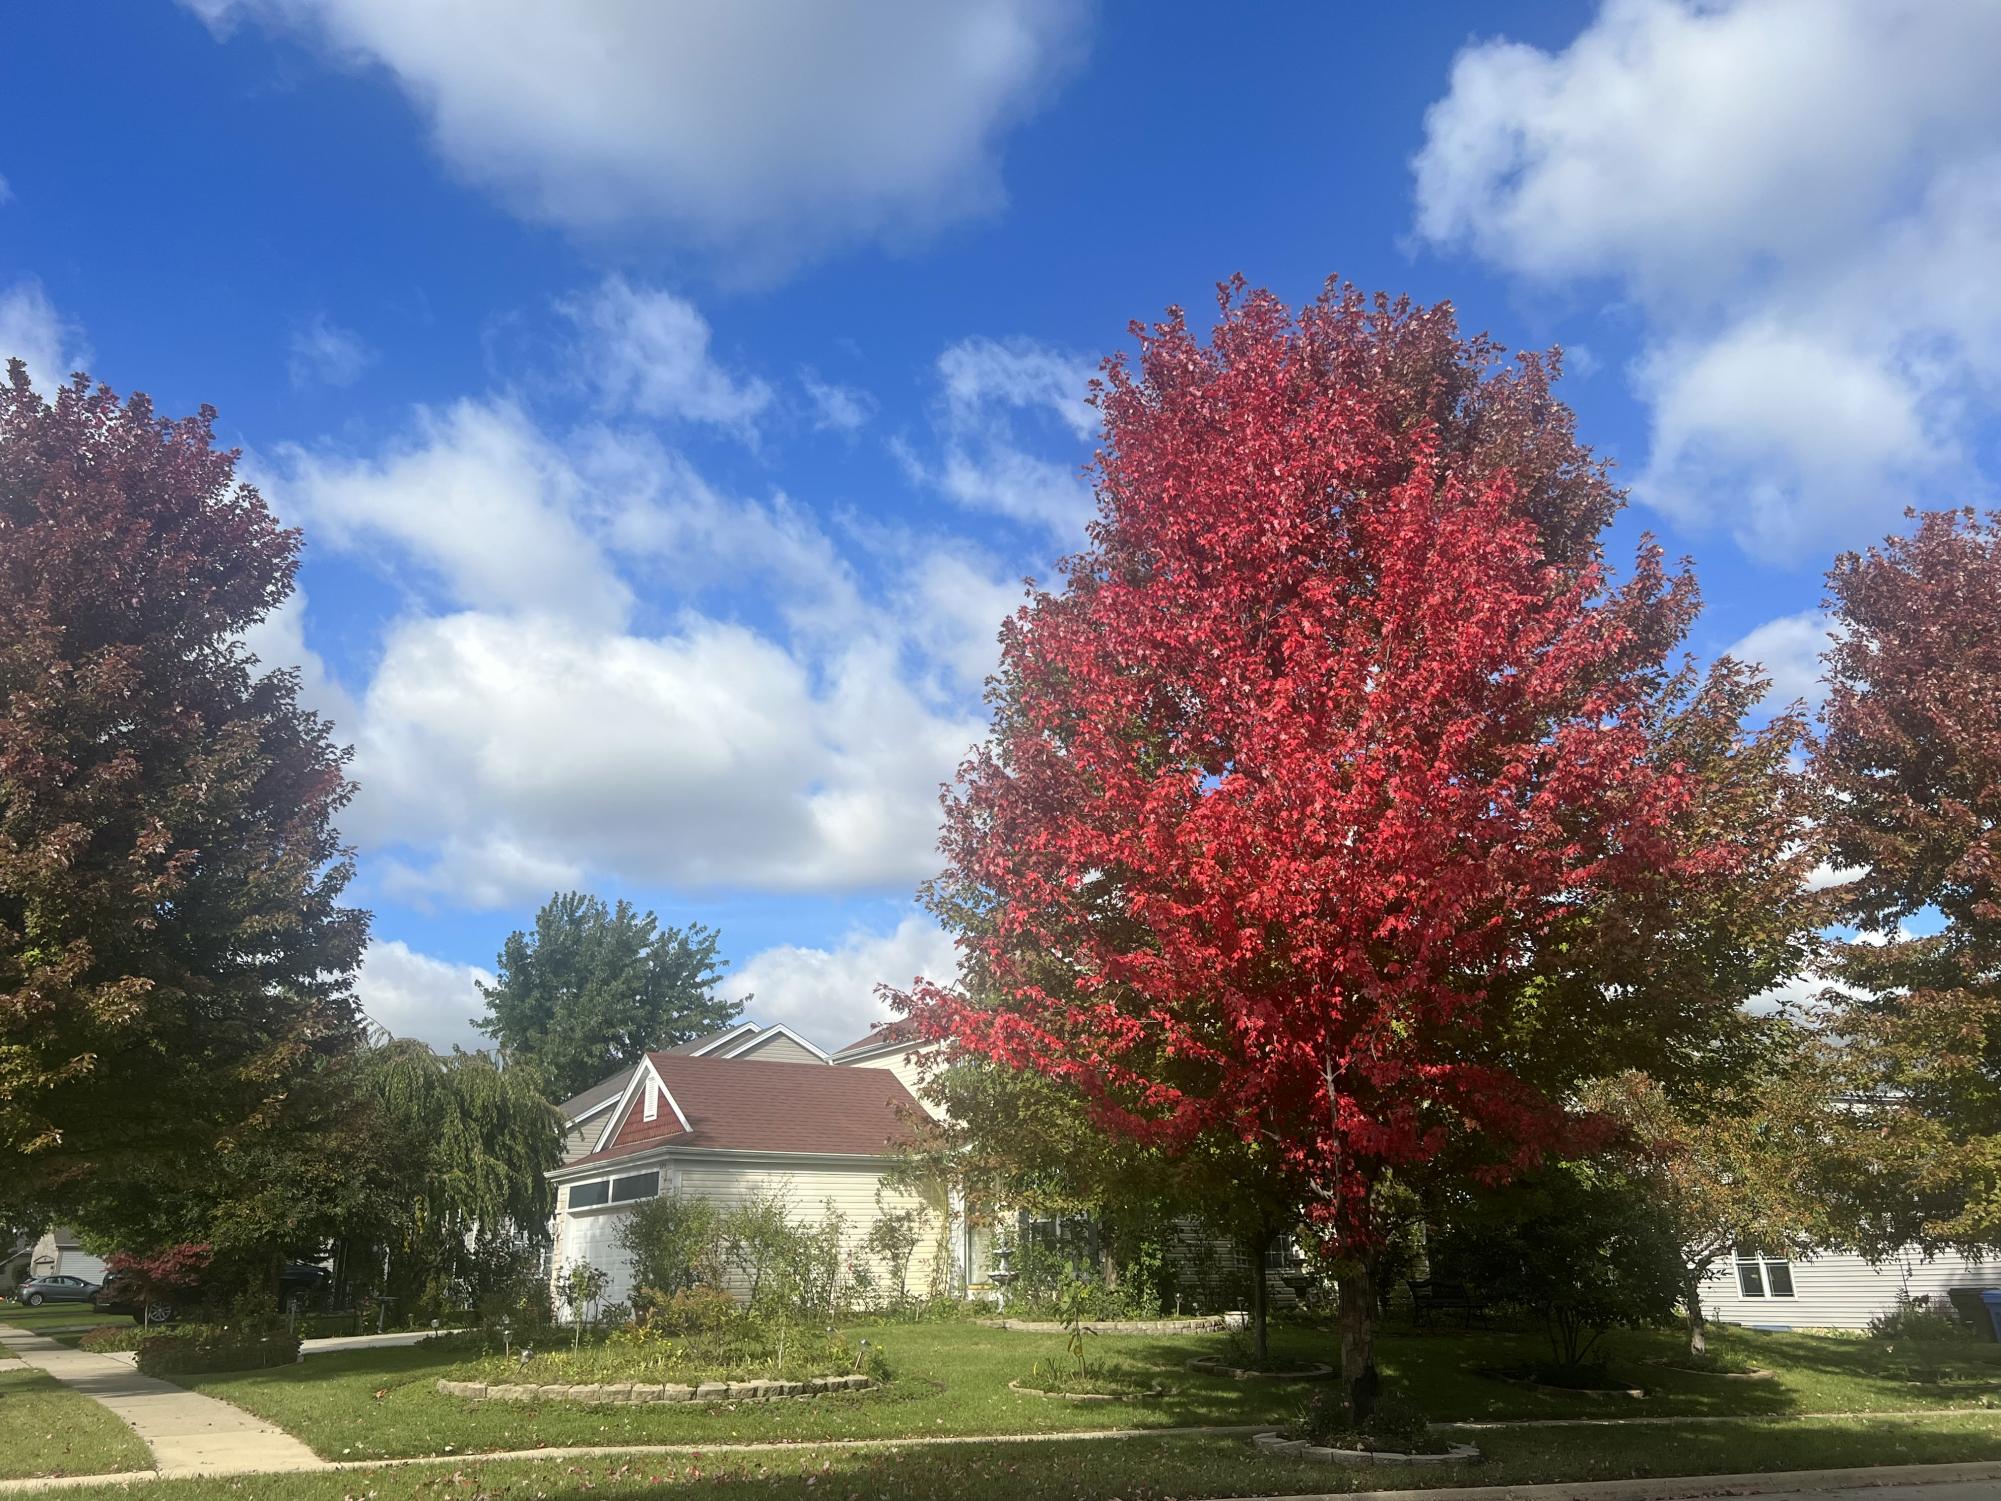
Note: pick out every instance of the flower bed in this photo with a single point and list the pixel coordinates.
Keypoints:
(1273, 1443)
(1212, 1324)
(1219, 1365)
(1583, 1383)
(192, 1348)
(627, 1392)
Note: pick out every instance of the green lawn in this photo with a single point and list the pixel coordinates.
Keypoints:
(1144, 1469)
(21, 1316)
(950, 1379)
(46, 1429)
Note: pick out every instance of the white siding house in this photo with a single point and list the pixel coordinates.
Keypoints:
(1832, 1290)
(724, 1128)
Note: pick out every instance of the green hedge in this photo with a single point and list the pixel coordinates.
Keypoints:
(111, 1337)
(216, 1347)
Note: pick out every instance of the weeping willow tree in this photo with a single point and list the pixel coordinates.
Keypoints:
(473, 1145)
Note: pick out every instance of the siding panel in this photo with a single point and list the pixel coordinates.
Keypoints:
(1836, 1291)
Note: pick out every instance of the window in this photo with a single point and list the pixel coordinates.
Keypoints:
(1760, 1275)
(626, 1190)
(638, 1186)
(652, 1111)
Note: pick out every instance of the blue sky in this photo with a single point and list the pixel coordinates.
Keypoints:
(672, 397)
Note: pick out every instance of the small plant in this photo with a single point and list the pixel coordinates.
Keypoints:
(581, 1288)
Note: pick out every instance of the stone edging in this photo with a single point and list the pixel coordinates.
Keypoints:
(1212, 1325)
(1758, 1374)
(1150, 1395)
(1634, 1392)
(1299, 1448)
(636, 1392)
(1214, 1365)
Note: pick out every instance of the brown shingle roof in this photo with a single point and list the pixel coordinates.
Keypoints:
(747, 1105)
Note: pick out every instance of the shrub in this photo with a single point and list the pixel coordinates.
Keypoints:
(1923, 1320)
(1396, 1424)
(108, 1337)
(216, 1347)
(1581, 1246)
(674, 1242)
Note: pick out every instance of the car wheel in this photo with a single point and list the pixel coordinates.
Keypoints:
(34, 1300)
(159, 1313)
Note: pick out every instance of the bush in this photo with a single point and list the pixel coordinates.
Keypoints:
(1582, 1246)
(216, 1347)
(1920, 1321)
(108, 1337)
(673, 1242)
(1396, 1424)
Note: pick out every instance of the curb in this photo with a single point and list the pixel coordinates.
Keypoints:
(1674, 1488)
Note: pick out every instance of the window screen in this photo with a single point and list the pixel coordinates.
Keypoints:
(583, 1195)
(1779, 1278)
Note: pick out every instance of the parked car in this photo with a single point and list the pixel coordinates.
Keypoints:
(298, 1284)
(55, 1289)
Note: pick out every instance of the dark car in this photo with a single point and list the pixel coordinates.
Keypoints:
(55, 1289)
(298, 1284)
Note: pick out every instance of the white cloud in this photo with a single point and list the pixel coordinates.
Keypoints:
(1789, 649)
(754, 128)
(323, 353)
(279, 641)
(32, 330)
(524, 748)
(477, 496)
(829, 994)
(1000, 402)
(837, 408)
(414, 995)
(647, 351)
(1802, 199)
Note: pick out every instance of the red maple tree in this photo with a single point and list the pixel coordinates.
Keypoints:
(1334, 752)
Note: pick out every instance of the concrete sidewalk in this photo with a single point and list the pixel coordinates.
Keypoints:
(188, 1433)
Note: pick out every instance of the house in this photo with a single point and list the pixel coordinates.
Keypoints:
(1831, 1290)
(56, 1253)
(723, 1118)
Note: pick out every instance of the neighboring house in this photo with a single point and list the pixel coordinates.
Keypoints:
(1831, 1290)
(773, 1044)
(59, 1254)
(722, 1128)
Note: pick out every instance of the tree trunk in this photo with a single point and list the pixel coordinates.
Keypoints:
(1698, 1341)
(1260, 1305)
(1357, 1292)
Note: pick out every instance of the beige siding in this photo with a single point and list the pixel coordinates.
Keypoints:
(590, 1234)
(907, 1070)
(582, 1138)
(1833, 1291)
(776, 1047)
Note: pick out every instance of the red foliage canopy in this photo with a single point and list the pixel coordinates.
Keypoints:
(1335, 721)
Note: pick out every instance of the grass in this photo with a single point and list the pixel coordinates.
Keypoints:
(46, 1430)
(21, 1316)
(951, 1379)
(1142, 1469)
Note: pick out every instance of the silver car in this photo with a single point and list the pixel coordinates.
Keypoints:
(54, 1289)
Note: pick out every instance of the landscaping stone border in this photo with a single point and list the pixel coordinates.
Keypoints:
(1272, 1443)
(1636, 1393)
(1152, 1394)
(1213, 1324)
(623, 1392)
(1757, 1374)
(1215, 1365)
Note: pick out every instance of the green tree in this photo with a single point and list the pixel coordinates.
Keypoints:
(596, 986)
(674, 1242)
(174, 952)
(1910, 769)
(1750, 1164)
